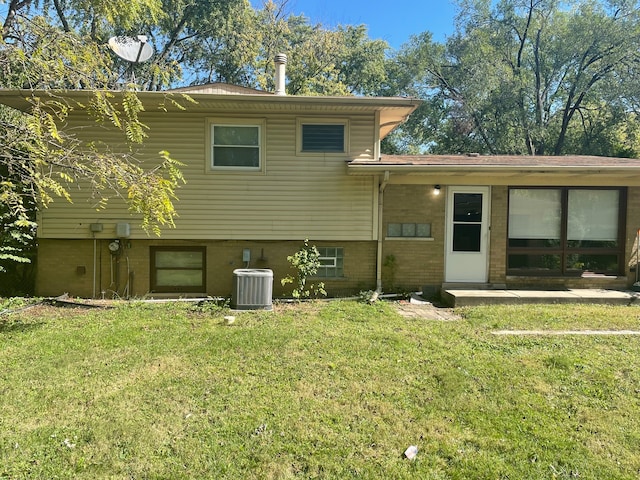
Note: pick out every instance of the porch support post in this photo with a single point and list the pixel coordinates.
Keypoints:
(382, 186)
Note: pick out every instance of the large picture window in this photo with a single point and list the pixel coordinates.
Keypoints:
(566, 231)
(178, 269)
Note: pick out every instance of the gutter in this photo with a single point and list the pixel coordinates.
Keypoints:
(381, 189)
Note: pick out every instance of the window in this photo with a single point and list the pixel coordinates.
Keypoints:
(467, 222)
(322, 138)
(566, 231)
(409, 230)
(178, 269)
(236, 144)
(331, 261)
(326, 136)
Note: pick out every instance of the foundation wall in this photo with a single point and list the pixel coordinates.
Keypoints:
(67, 266)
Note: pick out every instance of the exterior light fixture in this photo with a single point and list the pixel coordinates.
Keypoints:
(436, 190)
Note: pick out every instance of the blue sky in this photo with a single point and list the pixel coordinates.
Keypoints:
(394, 21)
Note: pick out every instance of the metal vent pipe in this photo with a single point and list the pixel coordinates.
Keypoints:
(281, 62)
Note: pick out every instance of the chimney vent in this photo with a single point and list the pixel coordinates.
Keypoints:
(281, 61)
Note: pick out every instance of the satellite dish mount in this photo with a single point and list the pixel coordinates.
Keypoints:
(133, 50)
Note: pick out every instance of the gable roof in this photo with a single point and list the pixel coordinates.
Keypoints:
(504, 169)
(220, 88)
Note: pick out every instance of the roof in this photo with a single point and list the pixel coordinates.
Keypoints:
(220, 88)
(519, 161)
(392, 111)
(503, 169)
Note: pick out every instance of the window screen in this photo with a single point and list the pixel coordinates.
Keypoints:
(322, 138)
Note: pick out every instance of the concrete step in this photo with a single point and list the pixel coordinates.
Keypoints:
(457, 297)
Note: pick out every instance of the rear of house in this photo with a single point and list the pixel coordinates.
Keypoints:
(507, 221)
(264, 172)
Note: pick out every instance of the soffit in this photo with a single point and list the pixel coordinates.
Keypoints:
(392, 110)
(502, 169)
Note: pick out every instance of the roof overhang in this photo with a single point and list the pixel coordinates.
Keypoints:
(392, 110)
(502, 170)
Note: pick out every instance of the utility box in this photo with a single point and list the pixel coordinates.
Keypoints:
(123, 230)
(252, 289)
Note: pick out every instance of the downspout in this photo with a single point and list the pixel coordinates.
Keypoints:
(95, 263)
(381, 188)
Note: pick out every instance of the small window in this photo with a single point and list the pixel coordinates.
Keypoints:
(178, 269)
(409, 230)
(322, 138)
(235, 144)
(332, 262)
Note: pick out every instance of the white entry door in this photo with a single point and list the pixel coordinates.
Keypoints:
(467, 234)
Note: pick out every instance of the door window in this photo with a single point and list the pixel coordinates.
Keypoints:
(467, 222)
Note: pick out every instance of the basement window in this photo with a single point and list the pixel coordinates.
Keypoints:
(178, 269)
(332, 262)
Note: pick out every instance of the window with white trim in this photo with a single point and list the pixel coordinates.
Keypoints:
(236, 144)
(322, 136)
(331, 262)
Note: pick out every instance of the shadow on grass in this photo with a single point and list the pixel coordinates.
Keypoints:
(18, 326)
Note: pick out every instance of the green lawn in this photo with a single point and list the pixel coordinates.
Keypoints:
(324, 390)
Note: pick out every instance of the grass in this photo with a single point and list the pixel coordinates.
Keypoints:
(322, 390)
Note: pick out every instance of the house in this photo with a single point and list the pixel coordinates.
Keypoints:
(519, 222)
(266, 171)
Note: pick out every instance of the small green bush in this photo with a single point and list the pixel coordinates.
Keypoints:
(305, 262)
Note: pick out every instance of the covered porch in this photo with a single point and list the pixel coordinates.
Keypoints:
(555, 225)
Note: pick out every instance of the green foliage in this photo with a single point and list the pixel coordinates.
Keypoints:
(305, 262)
(367, 296)
(42, 158)
(541, 77)
(321, 61)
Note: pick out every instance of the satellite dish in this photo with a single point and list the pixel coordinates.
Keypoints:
(134, 50)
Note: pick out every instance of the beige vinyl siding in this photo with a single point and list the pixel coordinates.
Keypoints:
(296, 196)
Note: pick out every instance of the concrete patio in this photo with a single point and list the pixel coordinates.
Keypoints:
(469, 297)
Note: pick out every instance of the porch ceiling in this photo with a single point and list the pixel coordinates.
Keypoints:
(502, 169)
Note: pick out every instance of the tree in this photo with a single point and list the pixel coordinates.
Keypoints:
(321, 61)
(526, 77)
(41, 159)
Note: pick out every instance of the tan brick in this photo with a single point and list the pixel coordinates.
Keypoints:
(57, 270)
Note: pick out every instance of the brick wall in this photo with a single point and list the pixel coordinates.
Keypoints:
(66, 266)
(410, 264)
(498, 235)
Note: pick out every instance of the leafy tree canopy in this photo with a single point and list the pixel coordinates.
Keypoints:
(526, 77)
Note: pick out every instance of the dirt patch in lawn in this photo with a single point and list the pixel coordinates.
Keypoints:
(419, 308)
